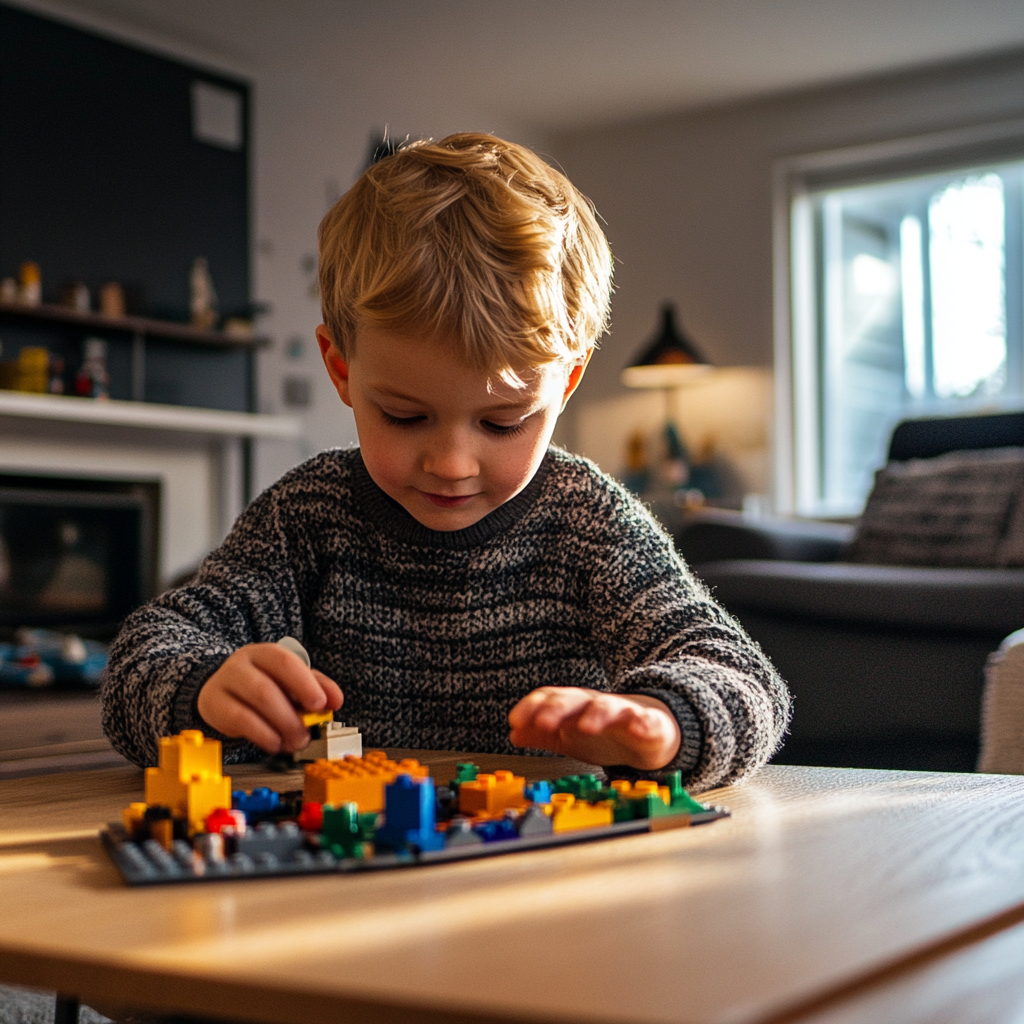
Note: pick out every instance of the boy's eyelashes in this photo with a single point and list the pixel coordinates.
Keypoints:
(501, 429)
(401, 421)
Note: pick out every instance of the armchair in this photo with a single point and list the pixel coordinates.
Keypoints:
(885, 662)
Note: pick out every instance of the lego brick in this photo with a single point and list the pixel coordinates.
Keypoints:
(461, 833)
(357, 780)
(267, 838)
(188, 779)
(332, 742)
(569, 814)
(262, 800)
(535, 821)
(409, 815)
(343, 833)
(492, 794)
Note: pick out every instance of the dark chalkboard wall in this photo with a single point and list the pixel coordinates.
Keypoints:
(101, 177)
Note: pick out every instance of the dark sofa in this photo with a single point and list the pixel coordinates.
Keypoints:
(885, 662)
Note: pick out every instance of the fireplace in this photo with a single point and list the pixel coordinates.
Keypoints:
(76, 554)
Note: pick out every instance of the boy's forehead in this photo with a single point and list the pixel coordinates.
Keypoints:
(398, 360)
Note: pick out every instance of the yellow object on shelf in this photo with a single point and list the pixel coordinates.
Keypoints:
(32, 370)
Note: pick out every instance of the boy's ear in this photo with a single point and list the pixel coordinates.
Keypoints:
(576, 375)
(337, 368)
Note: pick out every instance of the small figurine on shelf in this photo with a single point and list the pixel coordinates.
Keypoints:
(31, 291)
(56, 385)
(75, 295)
(8, 290)
(112, 299)
(203, 301)
(92, 379)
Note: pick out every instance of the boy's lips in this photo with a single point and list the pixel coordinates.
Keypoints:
(448, 500)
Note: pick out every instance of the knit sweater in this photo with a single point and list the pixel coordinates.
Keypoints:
(434, 636)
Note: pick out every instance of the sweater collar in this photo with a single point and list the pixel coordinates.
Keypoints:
(389, 516)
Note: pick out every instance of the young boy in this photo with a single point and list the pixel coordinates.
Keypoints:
(454, 575)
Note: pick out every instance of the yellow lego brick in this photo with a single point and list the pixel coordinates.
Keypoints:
(358, 780)
(132, 816)
(317, 718)
(188, 779)
(569, 814)
(190, 754)
(492, 794)
(640, 789)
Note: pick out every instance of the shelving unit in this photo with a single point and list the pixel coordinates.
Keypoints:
(150, 360)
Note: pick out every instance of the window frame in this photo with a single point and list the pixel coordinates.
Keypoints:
(795, 181)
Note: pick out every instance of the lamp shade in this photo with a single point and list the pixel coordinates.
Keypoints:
(670, 359)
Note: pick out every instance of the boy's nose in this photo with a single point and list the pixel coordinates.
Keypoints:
(451, 459)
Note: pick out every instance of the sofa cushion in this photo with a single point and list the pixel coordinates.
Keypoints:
(952, 510)
(988, 601)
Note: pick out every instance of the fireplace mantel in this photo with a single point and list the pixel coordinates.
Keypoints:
(148, 415)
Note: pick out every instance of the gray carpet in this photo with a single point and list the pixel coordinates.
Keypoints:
(28, 1006)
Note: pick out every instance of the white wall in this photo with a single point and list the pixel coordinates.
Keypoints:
(688, 205)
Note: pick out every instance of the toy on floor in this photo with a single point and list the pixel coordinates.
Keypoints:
(43, 657)
(366, 813)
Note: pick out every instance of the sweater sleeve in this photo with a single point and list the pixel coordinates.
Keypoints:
(246, 592)
(660, 633)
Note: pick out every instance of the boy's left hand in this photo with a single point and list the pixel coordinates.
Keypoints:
(597, 727)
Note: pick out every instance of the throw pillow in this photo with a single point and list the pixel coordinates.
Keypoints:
(952, 510)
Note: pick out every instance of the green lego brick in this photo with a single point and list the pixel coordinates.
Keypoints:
(681, 801)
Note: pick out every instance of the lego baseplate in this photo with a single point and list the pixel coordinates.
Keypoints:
(366, 814)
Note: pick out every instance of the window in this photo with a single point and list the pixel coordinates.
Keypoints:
(906, 301)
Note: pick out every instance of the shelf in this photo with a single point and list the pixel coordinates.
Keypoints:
(135, 325)
(148, 415)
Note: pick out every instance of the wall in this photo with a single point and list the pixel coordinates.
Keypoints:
(688, 205)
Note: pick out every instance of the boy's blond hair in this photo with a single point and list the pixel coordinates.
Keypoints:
(474, 240)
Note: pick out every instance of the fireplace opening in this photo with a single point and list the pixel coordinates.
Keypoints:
(76, 554)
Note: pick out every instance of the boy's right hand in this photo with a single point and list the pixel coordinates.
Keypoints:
(259, 694)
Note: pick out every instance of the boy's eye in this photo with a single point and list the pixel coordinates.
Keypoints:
(501, 429)
(401, 421)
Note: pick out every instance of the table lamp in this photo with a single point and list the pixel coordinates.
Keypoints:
(669, 361)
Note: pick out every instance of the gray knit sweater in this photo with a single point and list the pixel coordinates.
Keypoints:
(433, 636)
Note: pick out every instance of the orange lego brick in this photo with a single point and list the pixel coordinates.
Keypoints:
(569, 814)
(492, 794)
(358, 780)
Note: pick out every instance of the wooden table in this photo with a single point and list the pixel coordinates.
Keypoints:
(831, 896)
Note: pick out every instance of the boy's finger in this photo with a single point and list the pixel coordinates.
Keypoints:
(292, 675)
(240, 720)
(264, 695)
(335, 698)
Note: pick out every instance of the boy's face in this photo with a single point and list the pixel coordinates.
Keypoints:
(447, 442)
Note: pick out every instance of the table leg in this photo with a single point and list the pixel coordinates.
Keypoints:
(66, 1010)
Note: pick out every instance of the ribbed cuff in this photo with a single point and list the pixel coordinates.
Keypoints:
(184, 713)
(691, 739)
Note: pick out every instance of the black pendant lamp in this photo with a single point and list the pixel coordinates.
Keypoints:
(669, 360)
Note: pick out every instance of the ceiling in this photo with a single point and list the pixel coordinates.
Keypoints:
(552, 64)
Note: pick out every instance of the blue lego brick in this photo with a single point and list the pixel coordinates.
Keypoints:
(538, 792)
(260, 801)
(497, 831)
(410, 815)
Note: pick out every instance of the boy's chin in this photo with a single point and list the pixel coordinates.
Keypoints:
(445, 518)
